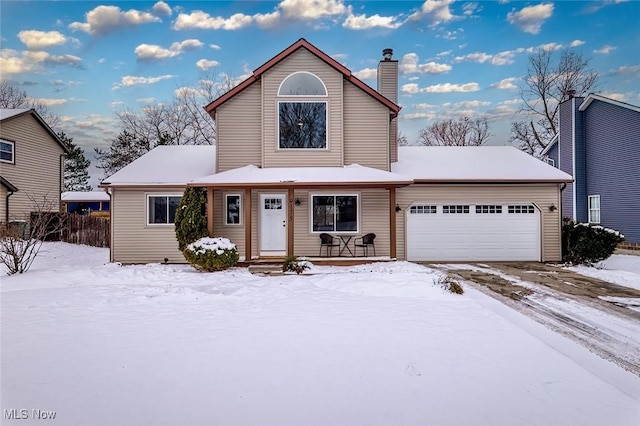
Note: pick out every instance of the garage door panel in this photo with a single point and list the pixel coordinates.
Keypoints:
(437, 236)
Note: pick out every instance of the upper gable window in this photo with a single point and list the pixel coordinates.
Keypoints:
(7, 154)
(302, 84)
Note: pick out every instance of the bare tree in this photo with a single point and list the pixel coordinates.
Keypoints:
(402, 139)
(461, 132)
(547, 84)
(12, 97)
(20, 244)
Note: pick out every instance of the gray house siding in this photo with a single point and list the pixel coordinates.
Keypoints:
(553, 154)
(579, 173)
(613, 165)
(565, 153)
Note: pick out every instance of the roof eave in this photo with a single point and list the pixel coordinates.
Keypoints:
(504, 181)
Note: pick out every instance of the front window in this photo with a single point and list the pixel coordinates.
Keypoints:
(232, 207)
(594, 209)
(162, 209)
(335, 213)
(302, 125)
(302, 84)
(7, 151)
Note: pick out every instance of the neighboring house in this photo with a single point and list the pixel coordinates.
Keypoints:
(86, 202)
(304, 147)
(598, 143)
(31, 165)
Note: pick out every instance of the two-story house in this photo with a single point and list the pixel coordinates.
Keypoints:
(305, 148)
(31, 165)
(598, 143)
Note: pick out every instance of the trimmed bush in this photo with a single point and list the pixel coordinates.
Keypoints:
(211, 254)
(449, 284)
(296, 264)
(585, 244)
(191, 217)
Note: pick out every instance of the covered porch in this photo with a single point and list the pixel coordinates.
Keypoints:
(274, 213)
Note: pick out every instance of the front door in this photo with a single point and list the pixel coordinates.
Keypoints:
(273, 224)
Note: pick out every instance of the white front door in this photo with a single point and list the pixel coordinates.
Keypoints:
(273, 224)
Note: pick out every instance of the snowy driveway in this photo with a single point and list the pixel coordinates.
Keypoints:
(377, 344)
(603, 316)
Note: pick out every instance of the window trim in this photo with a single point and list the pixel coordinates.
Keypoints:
(326, 123)
(590, 210)
(550, 161)
(326, 92)
(13, 151)
(148, 196)
(226, 208)
(336, 194)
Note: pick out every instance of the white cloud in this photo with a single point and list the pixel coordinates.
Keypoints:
(434, 12)
(595, 6)
(14, 62)
(470, 8)
(550, 47)
(367, 73)
(145, 100)
(424, 106)
(205, 64)
(419, 116)
(616, 96)
(479, 57)
(146, 52)
(215, 47)
(505, 84)
(604, 50)
(364, 22)
(106, 19)
(467, 104)
(130, 80)
(161, 8)
(413, 88)
(410, 64)
(576, 43)
(445, 53)
(530, 19)
(50, 102)
(204, 21)
(34, 39)
(102, 60)
(633, 70)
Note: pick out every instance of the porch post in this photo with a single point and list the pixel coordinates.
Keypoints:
(247, 224)
(290, 221)
(210, 211)
(392, 222)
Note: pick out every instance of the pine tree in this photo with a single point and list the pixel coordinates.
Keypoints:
(76, 166)
(191, 217)
(124, 148)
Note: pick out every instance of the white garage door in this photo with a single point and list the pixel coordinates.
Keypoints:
(469, 232)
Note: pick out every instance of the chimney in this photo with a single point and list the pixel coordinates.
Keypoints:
(388, 87)
(571, 93)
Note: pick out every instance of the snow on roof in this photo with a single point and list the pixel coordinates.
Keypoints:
(167, 165)
(70, 196)
(253, 175)
(10, 112)
(471, 163)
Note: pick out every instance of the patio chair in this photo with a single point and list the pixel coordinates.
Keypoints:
(365, 242)
(329, 242)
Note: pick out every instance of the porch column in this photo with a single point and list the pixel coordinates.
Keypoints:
(210, 211)
(392, 222)
(247, 224)
(290, 220)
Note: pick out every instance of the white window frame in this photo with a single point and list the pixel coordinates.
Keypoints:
(13, 152)
(326, 92)
(336, 194)
(303, 101)
(148, 197)
(550, 161)
(595, 210)
(226, 209)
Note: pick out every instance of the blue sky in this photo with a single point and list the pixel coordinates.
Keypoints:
(88, 59)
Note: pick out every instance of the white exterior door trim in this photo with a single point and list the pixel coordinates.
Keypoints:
(273, 224)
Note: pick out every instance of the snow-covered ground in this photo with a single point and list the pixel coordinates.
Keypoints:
(621, 269)
(377, 344)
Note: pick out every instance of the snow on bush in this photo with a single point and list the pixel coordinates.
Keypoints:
(586, 244)
(211, 254)
(296, 264)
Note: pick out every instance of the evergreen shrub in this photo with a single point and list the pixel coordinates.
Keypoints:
(211, 254)
(191, 217)
(586, 244)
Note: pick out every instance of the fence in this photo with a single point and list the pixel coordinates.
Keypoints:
(77, 229)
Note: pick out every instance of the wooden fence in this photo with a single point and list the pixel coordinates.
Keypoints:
(78, 229)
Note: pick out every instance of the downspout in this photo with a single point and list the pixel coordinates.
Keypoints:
(6, 205)
(61, 186)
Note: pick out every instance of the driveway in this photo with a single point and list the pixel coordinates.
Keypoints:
(567, 302)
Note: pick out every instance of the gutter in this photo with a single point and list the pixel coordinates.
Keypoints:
(6, 205)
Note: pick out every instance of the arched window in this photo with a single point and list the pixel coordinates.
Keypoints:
(302, 84)
(302, 123)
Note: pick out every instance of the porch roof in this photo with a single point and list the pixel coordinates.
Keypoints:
(351, 175)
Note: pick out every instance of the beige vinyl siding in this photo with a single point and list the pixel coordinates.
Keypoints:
(366, 129)
(374, 217)
(132, 240)
(393, 140)
(36, 171)
(388, 87)
(543, 195)
(302, 60)
(239, 130)
(235, 233)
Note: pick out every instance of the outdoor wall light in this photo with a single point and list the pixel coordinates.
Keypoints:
(552, 208)
(297, 202)
(398, 208)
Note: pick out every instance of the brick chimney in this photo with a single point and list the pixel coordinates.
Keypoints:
(388, 87)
